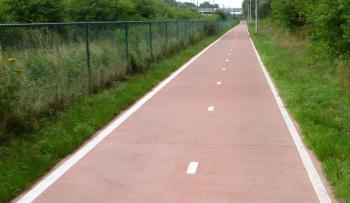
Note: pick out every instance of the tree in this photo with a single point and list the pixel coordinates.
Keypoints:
(98, 10)
(145, 9)
(221, 14)
(330, 26)
(25, 11)
(264, 8)
(206, 4)
(291, 14)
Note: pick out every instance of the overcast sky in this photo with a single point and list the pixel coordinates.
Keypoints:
(227, 3)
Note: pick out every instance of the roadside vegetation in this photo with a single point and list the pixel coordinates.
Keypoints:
(54, 95)
(46, 68)
(305, 45)
(27, 11)
(24, 159)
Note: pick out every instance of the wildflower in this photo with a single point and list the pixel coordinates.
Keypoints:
(12, 59)
(19, 71)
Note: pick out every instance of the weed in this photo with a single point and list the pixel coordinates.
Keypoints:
(23, 159)
(318, 97)
(44, 69)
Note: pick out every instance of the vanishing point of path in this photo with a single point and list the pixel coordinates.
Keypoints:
(213, 133)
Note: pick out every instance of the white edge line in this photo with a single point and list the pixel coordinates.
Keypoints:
(314, 177)
(40, 187)
(192, 168)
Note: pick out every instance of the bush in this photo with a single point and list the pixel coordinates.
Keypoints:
(210, 29)
(330, 26)
(44, 70)
(326, 23)
(221, 14)
(98, 10)
(290, 13)
(26, 11)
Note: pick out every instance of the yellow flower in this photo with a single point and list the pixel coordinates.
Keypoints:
(19, 71)
(12, 59)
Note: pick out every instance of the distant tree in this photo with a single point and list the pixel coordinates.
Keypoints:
(3, 18)
(98, 10)
(221, 14)
(206, 4)
(191, 5)
(291, 14)
(264, 8)
(330, 26)
(92, 10)
(33, 10)
(145, 9)
(325, 23)
(171, 2)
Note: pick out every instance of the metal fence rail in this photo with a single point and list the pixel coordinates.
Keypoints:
(44, 66)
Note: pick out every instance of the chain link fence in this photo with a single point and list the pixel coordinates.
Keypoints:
(44, 67)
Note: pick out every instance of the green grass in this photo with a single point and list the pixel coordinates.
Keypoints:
(49, 67)
(317, 99)
(24, 159)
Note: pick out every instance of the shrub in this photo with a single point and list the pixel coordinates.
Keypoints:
(26, 11)
(325, 23)
(98, 10)
(210, 29)
(290, 13)
(330, 26)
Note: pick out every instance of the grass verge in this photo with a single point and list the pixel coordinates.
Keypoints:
(316, 99)
(24, 160)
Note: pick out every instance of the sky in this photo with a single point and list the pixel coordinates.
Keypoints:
(227, 3)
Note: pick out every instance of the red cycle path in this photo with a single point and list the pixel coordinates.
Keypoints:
(243, 148)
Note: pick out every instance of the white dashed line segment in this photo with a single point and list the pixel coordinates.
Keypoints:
(192, 168)
(210, 108)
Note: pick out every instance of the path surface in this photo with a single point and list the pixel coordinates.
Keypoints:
(218, 112)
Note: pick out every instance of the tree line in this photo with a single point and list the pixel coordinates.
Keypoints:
(325, 23)
(28, 11)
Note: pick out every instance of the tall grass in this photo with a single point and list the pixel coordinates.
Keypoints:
(44, 69)
(24, 159)
(317, 94)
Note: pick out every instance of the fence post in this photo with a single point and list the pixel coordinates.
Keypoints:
(88, 61)
(256, 17)
(192, 28)
(150, 39)
(126, 42)
(186, 34)
(177, 31)
(166, 34)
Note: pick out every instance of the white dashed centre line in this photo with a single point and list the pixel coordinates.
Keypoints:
(230, 49)
(219, 83)
(210, 108)
(227, 60)
(223, 69)
(192, 168)
(229, 54)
